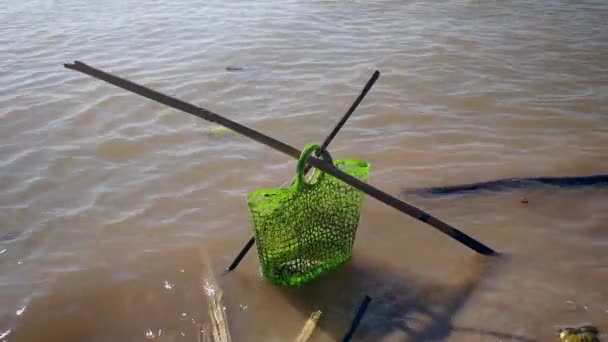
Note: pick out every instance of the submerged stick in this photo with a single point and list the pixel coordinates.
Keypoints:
(242, 254)
(357, 320)
(288, 150)
(319, 152)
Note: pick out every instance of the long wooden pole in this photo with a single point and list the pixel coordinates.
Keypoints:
(319, 152)
(286, 149)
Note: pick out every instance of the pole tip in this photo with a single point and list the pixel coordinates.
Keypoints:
(74, 65)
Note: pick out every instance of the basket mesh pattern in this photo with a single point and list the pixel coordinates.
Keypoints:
(309, 228)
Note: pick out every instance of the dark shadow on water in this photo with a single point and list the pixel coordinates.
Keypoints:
(402, 306)
(510, 184)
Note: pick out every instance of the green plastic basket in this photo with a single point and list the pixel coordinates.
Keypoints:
(309, 228)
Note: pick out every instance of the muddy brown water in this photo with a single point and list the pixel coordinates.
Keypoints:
(110, 204)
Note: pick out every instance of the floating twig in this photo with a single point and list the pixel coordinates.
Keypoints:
(309, 326)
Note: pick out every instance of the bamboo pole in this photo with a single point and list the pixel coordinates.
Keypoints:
(286, 149)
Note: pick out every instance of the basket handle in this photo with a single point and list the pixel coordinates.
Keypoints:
(306, 152)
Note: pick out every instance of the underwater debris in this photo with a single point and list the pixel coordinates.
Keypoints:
(598, 180)
(586, 333)
(233, 68)
(219, 130)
